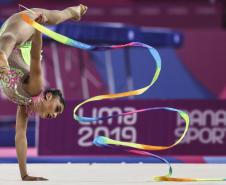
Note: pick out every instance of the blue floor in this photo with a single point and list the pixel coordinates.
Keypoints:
(105, 160)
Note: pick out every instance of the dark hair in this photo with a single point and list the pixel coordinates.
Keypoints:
(55, 92)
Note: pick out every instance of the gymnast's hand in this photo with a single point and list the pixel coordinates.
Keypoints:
(41, 18)
(4, 68)
(4, 71)
(30, 178)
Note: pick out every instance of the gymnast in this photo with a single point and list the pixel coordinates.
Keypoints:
(21, 73)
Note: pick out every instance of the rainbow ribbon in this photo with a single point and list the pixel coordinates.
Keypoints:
(140, 149)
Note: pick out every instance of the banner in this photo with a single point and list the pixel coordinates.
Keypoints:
(206, 136)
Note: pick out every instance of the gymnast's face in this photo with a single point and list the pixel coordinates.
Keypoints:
(51, 107)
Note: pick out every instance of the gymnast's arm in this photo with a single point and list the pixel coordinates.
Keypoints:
(21, 139)
(21, 144)
(35, 83)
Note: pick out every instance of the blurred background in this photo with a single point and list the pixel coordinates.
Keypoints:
(191, 39)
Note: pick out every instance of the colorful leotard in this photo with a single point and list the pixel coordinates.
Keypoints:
(13, 83)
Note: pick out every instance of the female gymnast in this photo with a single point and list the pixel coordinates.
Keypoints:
(21, 73)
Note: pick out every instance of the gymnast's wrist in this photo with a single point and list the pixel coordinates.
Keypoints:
(4, 70)
(4, 66)
(24, 176)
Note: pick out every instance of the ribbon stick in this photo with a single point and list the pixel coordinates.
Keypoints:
(140, 149)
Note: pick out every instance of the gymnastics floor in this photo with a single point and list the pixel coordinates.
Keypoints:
(110, 174)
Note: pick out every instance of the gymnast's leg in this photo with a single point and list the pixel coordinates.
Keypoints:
(5, 51)
(17, 31)
(58, 16)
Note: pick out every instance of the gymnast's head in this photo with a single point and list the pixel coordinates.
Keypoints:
(53, 104)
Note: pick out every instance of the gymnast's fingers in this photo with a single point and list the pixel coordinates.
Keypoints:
(30, 178)
(41, 179)
(41, 19)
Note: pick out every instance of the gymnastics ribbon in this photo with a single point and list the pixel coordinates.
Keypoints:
(140, 149)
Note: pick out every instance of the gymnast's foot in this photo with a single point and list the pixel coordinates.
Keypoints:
(78, 12)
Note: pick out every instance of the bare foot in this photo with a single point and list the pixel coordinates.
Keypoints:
(78, 11)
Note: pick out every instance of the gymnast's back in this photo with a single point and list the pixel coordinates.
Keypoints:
(15, 43)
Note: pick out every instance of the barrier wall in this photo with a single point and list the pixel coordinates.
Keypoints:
(206, 136)
(171, 13)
